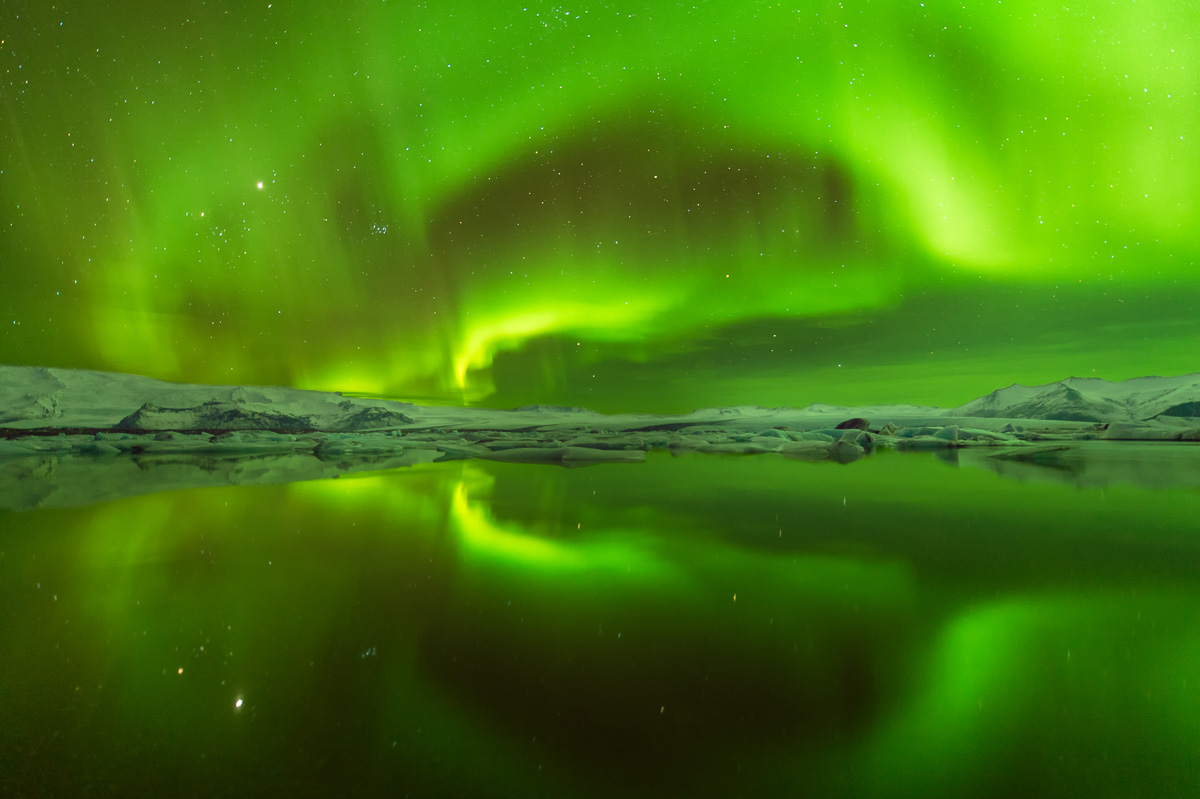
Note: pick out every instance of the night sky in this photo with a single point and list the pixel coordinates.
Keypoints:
(627, 206)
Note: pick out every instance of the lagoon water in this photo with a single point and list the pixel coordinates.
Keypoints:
(696, 626)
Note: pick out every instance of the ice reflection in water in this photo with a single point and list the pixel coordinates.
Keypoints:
(697, 626)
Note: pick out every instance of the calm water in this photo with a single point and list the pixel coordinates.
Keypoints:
(724, 626)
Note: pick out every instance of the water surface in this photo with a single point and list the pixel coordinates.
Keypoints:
(724, 626)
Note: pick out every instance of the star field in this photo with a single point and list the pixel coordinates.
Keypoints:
(626, 206)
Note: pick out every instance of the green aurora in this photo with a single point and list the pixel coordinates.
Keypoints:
(628, 206)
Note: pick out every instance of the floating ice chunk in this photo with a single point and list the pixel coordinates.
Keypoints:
(687, 442)
(1043, 453)
(522, 443)
(737, 447)
(362, 443)
(459, 452)
(947, 433)
(607, 442)
(854, 435)
(807, 450)
(169, 442)
(845, 451)
(913, 432)
(975, 434)
(100, 448)
(593, 455)
(924, 442)
(550, 454)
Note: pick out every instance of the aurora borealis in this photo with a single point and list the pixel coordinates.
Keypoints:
(629, 206)
(643, 207)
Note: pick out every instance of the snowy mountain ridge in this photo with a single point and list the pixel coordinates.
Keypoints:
(47, 397)
(38, 397)
(1092, 399)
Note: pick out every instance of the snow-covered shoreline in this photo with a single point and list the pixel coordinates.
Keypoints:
(78, 420)
(47, 399)
(107, 408)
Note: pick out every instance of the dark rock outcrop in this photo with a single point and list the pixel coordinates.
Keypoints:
(212, 415)
(1184, 409)
(373, 419)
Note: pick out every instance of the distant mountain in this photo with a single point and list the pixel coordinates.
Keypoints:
(33, 397)
(37, 397)
(218, 415)
(1091, 399)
